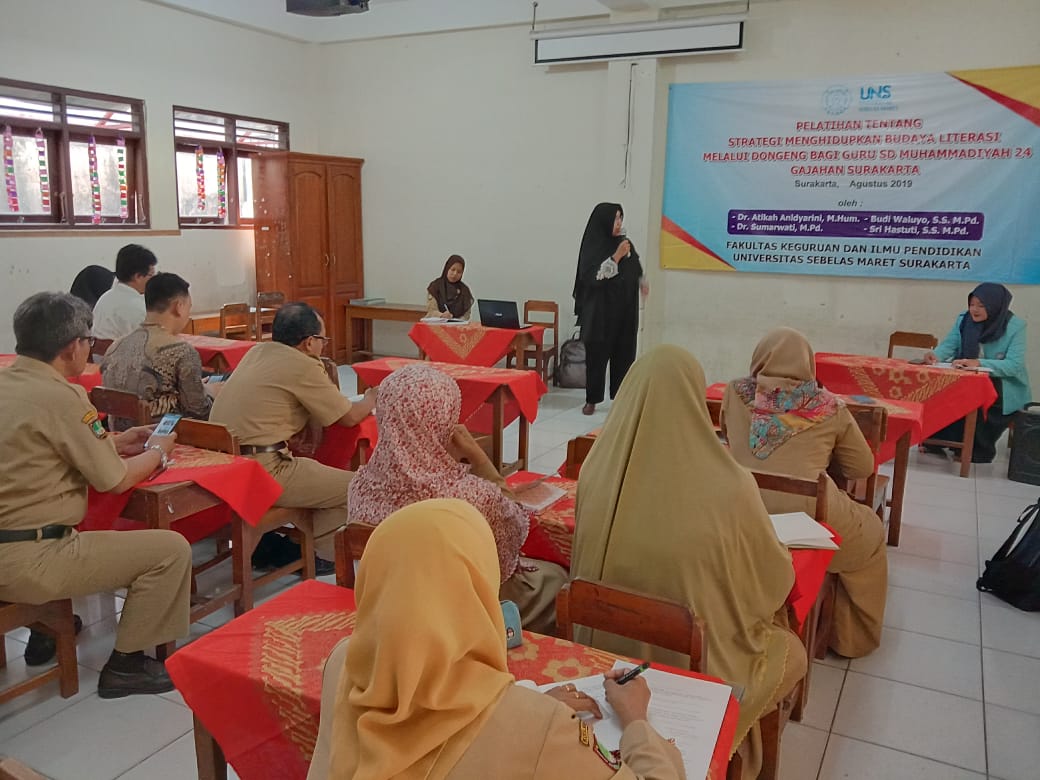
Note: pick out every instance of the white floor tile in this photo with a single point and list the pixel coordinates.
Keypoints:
(832, 659)
(939, 664)
(550, 462)
(927, 543)
(100, 740)
(1007, 505)
(962, 520)
(1002, 486)
(1012, 681)
(1013, 741)
(35, 707)
(930, 613)
(174, 762)
(941, 497)
(933, 576)
(914, 720)
(851, 759)
(801, 751)
(824, 691)
(1009, 629)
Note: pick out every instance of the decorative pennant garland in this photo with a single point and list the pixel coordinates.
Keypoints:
(124, 210)
(45, 176)
(9, 180)
(95, 182)
(200, 178)
(221, 185)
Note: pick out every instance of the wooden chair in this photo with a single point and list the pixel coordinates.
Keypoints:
(904, 338)
(122, 406)
(236, 321)
(100, 348)
(872, 491)
(271, 301)
(332, 370)
(55, 619)
(350, 545)
(12, 769)
(633, 615)
(577, 450)
(540, 355)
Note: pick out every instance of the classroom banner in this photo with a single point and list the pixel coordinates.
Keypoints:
(924, 176)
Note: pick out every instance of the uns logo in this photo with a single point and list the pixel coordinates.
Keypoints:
(880, 92)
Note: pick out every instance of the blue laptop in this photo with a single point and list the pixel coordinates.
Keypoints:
(499, 314)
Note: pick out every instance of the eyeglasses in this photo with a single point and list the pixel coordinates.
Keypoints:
(323, 338)
(89, 339)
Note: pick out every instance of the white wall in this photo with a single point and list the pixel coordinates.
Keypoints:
(165, 57)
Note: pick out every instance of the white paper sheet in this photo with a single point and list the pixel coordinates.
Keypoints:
(797, 529)
(539, 495)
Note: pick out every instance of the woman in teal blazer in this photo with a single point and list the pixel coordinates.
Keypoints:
(988, 335)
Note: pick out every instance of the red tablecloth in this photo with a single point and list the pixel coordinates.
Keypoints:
(241, 483)
(946, 394)
(471, 344)
(338, 444)
(255, 683)
(477, 383)
(208, 347)
(552, 532)
(903, 417)
(88, 380)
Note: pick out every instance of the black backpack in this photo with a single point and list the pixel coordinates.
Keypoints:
(570, 365)
(1013, 574)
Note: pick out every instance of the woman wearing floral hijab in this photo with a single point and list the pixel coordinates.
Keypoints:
(780, 420)
(417, 458)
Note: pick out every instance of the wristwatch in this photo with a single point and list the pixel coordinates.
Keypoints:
(162, 454)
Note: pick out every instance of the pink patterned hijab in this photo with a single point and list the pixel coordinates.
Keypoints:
(417, 410)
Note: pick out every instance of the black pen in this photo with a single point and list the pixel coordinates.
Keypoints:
(632, 674)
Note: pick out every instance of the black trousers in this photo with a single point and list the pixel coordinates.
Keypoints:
(987, 430)
(619, 353)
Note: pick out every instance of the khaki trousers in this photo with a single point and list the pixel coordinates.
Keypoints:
(153, 566)
(307, 484)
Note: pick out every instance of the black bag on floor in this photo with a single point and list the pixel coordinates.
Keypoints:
(570, 365)
(1013, 574)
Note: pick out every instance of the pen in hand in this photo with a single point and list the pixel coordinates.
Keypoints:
(632, 674)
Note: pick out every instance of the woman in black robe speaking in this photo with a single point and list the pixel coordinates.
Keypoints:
(606, 301)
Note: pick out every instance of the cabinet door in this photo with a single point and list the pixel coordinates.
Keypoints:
(309, 216)
(346, 271)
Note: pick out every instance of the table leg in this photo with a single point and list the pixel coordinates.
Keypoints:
(348, 325)
(521, 450)
(968, 444)
(367, 338)
(243, 542)
(497, 416)
(899, 467)
(208, 756)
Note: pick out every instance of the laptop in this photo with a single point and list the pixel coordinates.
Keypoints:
(499, 314)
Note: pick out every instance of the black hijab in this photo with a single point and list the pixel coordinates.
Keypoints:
(91, 283)
(456, 298)
(597, 244)
(997, 300)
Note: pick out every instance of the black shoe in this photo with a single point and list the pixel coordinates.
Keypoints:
(149, 676)
(41, 648)
(323, 567)
(274, 551)
(933, 449)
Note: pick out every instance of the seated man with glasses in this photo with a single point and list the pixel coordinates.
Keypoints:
(53, 446)
(121, 309)
(279, 389)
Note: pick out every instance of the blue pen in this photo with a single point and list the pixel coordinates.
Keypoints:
(632, 674)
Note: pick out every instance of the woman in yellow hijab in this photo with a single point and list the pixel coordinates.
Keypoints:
(425, 691)
(663, 508)
(780, 420)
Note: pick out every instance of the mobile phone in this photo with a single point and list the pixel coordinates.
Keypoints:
(166, 424)
(862, 399)
(217, 377)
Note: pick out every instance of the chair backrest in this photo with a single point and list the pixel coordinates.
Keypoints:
(783, 483)
(12, 769)
(206, 436)
(236, 321)
(100, 347)
(332, 370)
(120, 404)
(350, 545)
(266, 300)
(715, 412)
(631, 614)
(872, 422)
(905, 338)
(270, 300)
(546, 307)
(577, 450)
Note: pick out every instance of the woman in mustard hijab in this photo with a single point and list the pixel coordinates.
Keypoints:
(425, 692)
(662, 508)
(780, 420)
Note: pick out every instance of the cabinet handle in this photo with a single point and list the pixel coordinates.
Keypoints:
(326, 260)
(333, 258)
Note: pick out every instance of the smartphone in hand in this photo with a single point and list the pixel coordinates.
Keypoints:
(167, 424)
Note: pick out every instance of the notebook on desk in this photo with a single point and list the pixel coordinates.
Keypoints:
(499, 314)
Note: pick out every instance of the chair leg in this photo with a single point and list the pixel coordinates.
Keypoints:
(62, 623)
(3, 651)
(770, 728)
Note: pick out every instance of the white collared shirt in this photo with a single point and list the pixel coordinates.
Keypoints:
(118, 312)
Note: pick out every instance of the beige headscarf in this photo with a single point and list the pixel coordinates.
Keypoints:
(427, 661)
(663, 508)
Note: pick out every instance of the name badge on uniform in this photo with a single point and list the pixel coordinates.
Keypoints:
(91, 420)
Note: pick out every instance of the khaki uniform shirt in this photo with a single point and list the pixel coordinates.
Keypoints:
(274, 392)
(52, 445)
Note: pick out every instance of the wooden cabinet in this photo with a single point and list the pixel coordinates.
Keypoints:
(308, 233)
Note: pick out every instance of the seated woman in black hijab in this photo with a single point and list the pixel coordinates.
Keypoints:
(91, 283)
(447, 296)
(988, 335)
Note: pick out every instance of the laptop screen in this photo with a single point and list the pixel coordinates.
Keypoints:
(499, 314)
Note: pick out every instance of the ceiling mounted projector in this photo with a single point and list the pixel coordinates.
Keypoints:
(326, 7)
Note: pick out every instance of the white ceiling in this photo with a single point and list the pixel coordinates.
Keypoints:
(405, 17)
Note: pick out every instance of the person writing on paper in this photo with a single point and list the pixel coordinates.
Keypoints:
(662, 508)
(425, 691)
(988, 335)
(607, 284)
(448, 296)
(779, 420)
(418, 456)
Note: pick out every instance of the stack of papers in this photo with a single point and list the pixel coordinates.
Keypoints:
(443, 321)
(687, 710)
(536, 496)
(980, 369)
(797, 529)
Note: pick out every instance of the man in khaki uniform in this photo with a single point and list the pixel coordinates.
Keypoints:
(278, 389)
(53, 446)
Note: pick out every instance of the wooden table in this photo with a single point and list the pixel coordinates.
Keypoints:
(473, 344)
(366, 313)
(254, 684)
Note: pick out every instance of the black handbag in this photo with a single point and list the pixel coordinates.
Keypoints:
(1013, 574)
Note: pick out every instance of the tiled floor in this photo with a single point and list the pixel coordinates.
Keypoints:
(952, 694)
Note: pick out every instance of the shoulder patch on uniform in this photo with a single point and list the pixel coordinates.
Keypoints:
(587, 737)
(90, 416)
(91, 420)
